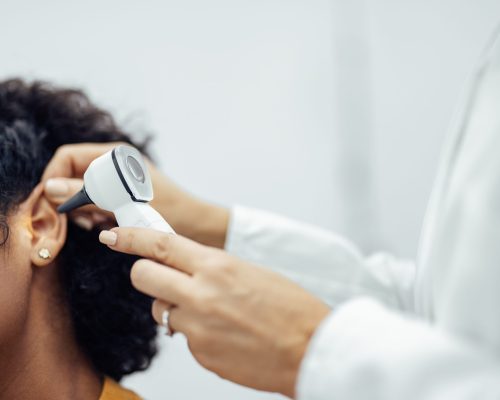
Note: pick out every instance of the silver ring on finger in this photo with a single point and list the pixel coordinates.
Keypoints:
(165, 316)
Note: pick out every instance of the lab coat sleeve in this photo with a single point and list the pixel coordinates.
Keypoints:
(322, 262)
(365, 351)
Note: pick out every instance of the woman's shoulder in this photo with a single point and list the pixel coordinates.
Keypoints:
(113, 391)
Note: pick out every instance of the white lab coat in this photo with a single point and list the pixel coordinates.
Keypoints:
(401, 330)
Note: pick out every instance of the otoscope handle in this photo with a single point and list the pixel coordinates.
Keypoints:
(141, 215)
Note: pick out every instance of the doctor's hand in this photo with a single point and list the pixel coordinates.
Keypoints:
(245, 323)
(191, 217)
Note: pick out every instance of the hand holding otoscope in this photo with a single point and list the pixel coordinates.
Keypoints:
(188, 216)
(119, 182)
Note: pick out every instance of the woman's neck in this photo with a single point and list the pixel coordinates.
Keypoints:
(44, 361)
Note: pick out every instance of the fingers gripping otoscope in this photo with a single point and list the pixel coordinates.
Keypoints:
(119, 182)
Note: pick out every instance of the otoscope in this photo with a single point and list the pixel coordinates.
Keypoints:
(119, 182)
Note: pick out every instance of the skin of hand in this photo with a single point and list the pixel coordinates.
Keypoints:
(190, 217)
(245, 323)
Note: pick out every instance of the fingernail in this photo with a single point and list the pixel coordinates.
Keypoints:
(108, 237)
(56, 187)
(84, 222)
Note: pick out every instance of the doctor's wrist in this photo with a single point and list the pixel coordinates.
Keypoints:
(198, 220)
(209, 224)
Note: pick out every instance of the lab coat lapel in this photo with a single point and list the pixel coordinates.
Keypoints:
(459, 261)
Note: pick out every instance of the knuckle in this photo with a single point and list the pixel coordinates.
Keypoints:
(63, 150)
(220, 263)
(160, 247)
(225, 266)
(128, 241)
(60, 149)
(213, 261)
(59, 154)
(138, 273)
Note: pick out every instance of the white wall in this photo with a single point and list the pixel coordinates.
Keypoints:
(332, 112)
(422, 53)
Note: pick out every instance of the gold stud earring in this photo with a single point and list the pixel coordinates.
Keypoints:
(44, 253)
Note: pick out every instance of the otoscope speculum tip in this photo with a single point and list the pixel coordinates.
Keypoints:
(79, 199)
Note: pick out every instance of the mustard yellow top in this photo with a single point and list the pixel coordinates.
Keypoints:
(113, 391)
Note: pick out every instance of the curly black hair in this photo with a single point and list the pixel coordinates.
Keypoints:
(111, 320)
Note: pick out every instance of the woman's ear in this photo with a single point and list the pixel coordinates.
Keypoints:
(48, 228)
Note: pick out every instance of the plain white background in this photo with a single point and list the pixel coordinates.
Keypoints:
(332, 112)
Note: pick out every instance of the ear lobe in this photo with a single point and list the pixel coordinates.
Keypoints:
(48, 228)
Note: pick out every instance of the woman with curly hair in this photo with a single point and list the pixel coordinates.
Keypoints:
(72, 325)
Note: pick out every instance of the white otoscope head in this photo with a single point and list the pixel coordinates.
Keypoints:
(119, 182)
